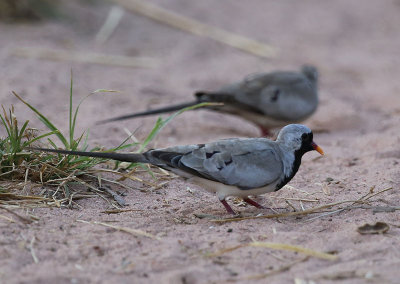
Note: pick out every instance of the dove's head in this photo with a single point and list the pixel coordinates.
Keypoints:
(298, 137)
(310, 72)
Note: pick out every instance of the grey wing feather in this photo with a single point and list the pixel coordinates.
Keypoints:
(246, 163)
(269, 94)
(248, 170)
(273, 94)
(257, 92)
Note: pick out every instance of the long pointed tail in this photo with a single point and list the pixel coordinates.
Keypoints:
(150, 112)
(132, 158)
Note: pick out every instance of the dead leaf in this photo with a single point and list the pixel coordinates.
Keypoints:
(377, 228)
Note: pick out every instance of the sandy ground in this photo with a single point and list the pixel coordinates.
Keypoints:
(356, 46)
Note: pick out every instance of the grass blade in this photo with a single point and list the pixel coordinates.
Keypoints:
(45, 121)
(71, 125)
(27, 143)
(5, 125)
(160, 124)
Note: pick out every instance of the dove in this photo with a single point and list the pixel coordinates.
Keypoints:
(269, 100)
(229, 167)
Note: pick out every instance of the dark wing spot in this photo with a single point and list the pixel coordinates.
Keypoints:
(175, 161)
(209, 155)
(275, 96)
(228, 162)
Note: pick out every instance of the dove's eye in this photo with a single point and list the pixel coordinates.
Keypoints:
(275, 95)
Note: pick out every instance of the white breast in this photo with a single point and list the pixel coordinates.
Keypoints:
(223, 190)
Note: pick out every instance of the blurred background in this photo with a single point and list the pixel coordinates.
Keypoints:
(158, 52)
(128, 46)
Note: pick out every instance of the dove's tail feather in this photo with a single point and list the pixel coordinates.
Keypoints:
(150, 112)
(214, 97)
(123, 157)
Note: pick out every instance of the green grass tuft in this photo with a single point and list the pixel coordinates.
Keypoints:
(56, 169)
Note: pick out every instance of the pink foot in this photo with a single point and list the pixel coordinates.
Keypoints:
(252, 202)
(227, 207)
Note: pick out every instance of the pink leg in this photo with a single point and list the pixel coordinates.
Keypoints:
(227, 207)
(252, 202)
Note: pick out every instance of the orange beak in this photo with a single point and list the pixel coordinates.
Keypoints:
(317, 148)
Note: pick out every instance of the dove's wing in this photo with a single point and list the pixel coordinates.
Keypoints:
(278, 95)
(245, 163)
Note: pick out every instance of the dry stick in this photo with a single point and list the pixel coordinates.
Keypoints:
(275, 271)
(22, 197)
(379, 209)
(280, 246)
(64, 181)
(96, 191)
(286, 214)
(119, 199)
(72, 177)
(117, 211)
(195, 27)
(7, 218)
(84, 57)
(288, 247)
(9, 172)
(122, 229)
(305, 212)
(35, 259)
(115, 182)
(296, 199)
(291, 205)
(113, 19)
(25, 180)
(21, 218)
(325, 214)
(351, 206)
(379, 192)
(128, 176)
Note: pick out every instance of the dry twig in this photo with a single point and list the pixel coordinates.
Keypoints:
(314, 210)
(280, 246)
(21, 218)
(122, 229)
(84, 57)
(275, 271)
(195, 27)
(30, 246)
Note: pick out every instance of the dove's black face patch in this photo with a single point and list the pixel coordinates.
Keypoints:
(306, 143)
(306, 138)
(306, 146)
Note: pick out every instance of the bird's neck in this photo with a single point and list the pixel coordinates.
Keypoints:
(291, 164)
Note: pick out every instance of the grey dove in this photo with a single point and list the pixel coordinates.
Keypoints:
(230, 167)
(269, 100)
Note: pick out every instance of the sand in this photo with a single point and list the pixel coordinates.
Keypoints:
(355, 45)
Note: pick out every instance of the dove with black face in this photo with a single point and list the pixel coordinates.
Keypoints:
(230, 167)
(269, 100)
